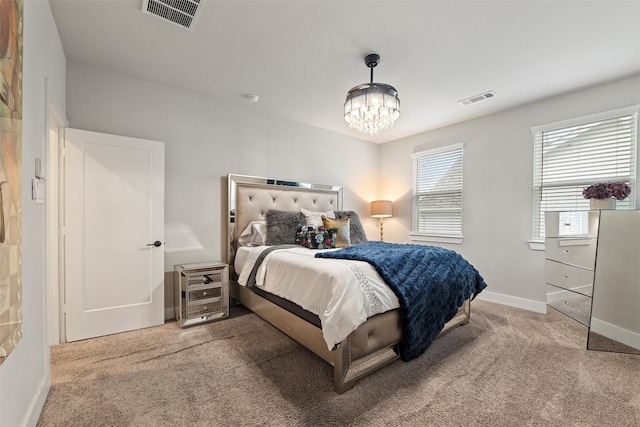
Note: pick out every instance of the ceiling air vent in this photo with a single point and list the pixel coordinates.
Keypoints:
(477, 98)
(183, 13)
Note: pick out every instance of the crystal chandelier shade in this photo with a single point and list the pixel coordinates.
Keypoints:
(372, 107)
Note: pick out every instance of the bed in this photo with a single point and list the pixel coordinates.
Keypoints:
(369, 343)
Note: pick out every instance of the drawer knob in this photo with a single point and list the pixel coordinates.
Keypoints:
(565, 277)
(566, 251)
(567, 224)
(204, 308)
(204, 294)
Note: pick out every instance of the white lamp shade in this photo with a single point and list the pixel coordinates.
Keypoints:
(381, 209)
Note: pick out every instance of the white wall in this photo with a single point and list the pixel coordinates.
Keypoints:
(206, 139)
(498, 177)
(25, 375)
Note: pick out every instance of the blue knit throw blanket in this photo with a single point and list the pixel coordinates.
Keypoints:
(430, 282)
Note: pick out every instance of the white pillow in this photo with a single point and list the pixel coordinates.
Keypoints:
(254, 235)
(315, 218)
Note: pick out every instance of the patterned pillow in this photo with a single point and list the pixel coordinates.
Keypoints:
(316, 238)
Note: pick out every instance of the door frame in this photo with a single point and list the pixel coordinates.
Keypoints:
(55, 122)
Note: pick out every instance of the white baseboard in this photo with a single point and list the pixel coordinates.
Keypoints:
(526, 304)
(624, 336)
(37, 403)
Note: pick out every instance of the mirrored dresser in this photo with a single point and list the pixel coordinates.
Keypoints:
(592, 274)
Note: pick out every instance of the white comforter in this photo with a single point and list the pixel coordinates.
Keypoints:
(342, 293)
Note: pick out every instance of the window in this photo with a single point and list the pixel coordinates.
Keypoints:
(437, 194)
(571, 155)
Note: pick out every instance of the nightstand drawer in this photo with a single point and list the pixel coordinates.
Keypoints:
(205, 293)
(580, 252)
(199, 310)
(569, 277)
(204, 279)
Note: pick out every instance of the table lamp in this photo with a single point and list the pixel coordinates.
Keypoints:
(381, 209)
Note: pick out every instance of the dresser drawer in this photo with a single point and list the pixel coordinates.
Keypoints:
(580, 252)
(573, 304)
(569, 277)
(571, 224)
(205, 293)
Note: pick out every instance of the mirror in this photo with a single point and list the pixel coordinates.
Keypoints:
(615, 312)
(592, 271)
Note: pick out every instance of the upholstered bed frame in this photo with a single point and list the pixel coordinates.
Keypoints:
(369, 347)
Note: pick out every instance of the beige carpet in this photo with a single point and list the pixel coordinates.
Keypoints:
(508, 367)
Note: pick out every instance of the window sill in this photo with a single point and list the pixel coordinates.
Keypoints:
(456, 240)
(536, 245)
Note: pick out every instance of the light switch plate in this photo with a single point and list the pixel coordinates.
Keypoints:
(41, 168)
(37, 190)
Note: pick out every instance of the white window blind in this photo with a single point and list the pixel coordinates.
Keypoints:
(437, 192)
(570, 156)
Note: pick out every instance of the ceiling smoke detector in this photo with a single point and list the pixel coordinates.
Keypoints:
(477, 98)
(183, 13)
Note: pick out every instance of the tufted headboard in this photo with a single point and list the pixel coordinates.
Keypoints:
(251, 197)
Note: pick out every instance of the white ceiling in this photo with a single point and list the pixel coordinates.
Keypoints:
(301, 57)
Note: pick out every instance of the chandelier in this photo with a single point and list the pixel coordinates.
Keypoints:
(372, 107)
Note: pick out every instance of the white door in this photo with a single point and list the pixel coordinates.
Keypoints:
(113, 214)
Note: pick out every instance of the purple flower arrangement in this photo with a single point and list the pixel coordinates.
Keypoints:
(604, 190)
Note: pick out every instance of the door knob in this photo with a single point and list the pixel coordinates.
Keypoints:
(157, 243)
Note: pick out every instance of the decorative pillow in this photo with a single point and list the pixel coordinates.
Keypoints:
(343, 226)
(282, 227)
(315, 218)
(356, 230)
(316, 238)
(254, 235)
